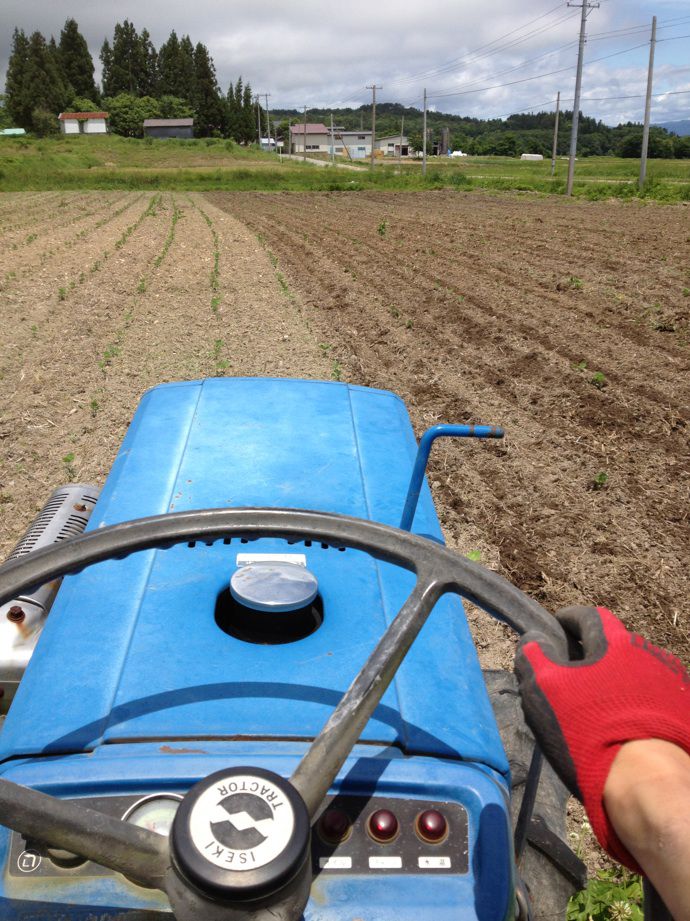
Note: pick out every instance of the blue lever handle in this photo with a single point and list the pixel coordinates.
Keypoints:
(423, 451)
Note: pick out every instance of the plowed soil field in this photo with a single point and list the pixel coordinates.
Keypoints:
(566, 323)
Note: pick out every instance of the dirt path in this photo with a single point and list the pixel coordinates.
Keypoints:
(567, 323)
(172, 288)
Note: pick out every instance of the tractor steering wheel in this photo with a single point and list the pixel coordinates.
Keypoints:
(196, 874)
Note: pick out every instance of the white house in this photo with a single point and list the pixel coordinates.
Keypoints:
(318, 140)
(358, 143)
(83, 122)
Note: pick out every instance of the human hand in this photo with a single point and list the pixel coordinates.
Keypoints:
(613, 687)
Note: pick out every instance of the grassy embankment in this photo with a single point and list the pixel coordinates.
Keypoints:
(111, 162)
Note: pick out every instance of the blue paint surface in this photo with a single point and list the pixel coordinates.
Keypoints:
(142, 768)
(131, 659)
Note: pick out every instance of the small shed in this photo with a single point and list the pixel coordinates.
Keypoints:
(83, 122)
(169, 128)
(12, 132)
(391, 143)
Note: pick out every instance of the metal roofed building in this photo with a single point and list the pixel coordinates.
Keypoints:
(318, 140)
(318, 137)
(391, 144)
(169, 128)
(83, 122)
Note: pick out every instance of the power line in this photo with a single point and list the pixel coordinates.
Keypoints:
(486, 50)
(536, 76)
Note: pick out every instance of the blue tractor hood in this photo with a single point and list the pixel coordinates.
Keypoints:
(132, 652)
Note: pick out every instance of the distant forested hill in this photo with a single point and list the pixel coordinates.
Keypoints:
(681, 127)
(512, 136)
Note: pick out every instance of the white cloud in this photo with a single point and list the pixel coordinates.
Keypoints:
(326, 53)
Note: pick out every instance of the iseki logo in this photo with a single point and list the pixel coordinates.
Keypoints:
(248, 823)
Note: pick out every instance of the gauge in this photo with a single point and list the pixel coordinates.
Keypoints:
(156, 813)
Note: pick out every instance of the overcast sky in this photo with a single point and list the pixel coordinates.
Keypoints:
(325, 53)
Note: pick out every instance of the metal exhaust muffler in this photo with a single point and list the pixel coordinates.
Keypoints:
(65, 515)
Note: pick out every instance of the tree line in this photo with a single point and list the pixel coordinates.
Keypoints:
(510, 137)
(177, 80)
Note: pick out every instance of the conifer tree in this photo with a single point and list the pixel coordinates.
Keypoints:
(18, 102)
(233, 106)
(42, 85)
(169, 62)
(76, 62)
(187, 75)
(123, 63)
(207, 102)
(249, 119)
(106, 57)
(148, 65)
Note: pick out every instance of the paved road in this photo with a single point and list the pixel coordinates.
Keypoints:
(301, 159)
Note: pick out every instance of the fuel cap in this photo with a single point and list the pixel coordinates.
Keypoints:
(241, 834)
(274, 587)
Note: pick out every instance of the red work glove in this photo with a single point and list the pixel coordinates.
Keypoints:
(582, 710)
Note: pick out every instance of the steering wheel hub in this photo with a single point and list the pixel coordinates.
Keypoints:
(241, 834)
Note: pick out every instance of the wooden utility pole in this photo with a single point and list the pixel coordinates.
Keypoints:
(554, 150)
(268, 119)
(332, 143)
(304, 145)
(258, 120)
(424, 138)
(647, 107)
(402, 131)
(373, 89)
(289, 135)
(586, 5)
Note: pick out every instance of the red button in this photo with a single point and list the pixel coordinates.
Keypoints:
(334, 825)
(383, 825)
(432, 826)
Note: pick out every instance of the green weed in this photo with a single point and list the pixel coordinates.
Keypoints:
(475, 556)
(336, 370)
(94, 406)
(382, 229)
(686, 292)
(111, 352)
(580, 366)
(176, 215)
(70, 470)
(598, 379)
(600, 481)
(614, 895)
(141, 287)
(34, 331)
(62, 294)
(284, 287)
(221, 364)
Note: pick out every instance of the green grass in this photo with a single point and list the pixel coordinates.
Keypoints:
(112, 162)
